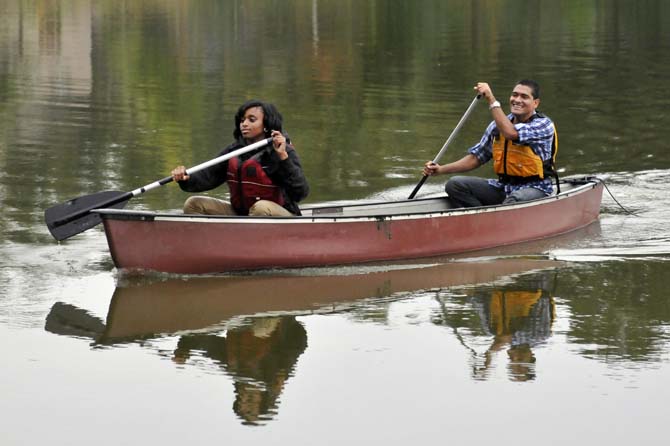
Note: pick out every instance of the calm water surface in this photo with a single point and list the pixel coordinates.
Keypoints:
(561, 341)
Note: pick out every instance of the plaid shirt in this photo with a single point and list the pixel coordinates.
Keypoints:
(538, 133)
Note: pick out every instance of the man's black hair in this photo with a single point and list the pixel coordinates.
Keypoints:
(534, 87)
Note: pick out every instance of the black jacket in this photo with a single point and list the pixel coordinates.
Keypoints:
(286, 174)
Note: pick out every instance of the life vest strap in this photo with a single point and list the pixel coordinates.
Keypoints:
(514, 181)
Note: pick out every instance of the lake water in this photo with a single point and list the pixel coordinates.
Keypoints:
(560, 341)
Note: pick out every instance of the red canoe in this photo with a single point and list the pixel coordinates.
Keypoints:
(334, 235)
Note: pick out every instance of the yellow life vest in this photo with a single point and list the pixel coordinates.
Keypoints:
(508, 306)
(517, 164)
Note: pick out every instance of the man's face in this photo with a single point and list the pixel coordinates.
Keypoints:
(522, 104)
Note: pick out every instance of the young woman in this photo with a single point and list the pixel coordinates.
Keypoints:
(265, 182)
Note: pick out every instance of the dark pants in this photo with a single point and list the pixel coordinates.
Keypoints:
(472, 191)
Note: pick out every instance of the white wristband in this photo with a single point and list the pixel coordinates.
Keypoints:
(495, 104)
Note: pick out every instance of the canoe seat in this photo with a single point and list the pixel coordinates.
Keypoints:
(374, 209)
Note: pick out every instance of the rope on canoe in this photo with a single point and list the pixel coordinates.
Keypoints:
(617, 201)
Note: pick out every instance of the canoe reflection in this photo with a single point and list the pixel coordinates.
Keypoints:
(513, 318)
(246, 325)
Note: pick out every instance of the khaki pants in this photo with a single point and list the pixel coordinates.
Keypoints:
(214, 206)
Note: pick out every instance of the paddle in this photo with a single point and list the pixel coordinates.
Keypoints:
(446, 144)
(74, 216)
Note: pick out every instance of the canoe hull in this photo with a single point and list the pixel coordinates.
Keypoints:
(197, 245)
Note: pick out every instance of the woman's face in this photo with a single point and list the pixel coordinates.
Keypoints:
(251, 125)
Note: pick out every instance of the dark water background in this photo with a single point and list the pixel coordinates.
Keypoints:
(559, 341)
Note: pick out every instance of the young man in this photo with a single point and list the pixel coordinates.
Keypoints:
(522, 145)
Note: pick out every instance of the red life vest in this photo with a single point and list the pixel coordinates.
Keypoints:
(249, 183)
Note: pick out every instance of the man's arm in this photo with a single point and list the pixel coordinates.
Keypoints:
(503, 123)
(465, 164)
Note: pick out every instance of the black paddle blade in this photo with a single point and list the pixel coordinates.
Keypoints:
(73, 217)
(417, 187)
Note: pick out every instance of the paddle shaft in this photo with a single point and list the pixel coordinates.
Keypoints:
(128, 195)
(446, 144)
(202, 166)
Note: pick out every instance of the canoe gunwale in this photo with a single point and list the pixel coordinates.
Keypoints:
(437, 210)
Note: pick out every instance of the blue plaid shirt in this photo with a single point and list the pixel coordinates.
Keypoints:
(538, 133)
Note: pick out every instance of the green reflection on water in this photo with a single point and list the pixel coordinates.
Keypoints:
(504, 313)
(616, 313)
(112, 95)
(621, 311)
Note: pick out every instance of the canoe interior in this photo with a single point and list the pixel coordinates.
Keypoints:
(360, 209)
(416, 206)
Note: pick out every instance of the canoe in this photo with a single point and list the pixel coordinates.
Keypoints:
(146, 309)
(340, 234)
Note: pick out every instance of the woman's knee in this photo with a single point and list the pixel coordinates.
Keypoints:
(193, 205)
(268, 208)
(207, 206)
